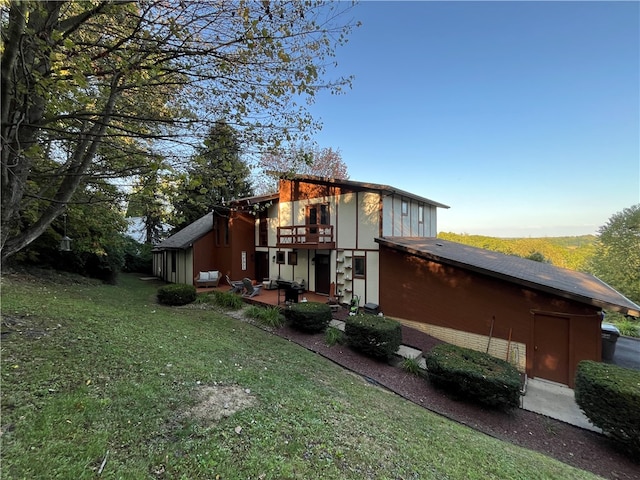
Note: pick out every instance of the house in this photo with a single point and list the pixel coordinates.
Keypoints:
(377, 244)
(222, 240)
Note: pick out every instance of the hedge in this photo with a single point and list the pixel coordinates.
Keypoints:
(176, 294)
(311, 317)
(375, 336)
(610, 396)
(474, 375)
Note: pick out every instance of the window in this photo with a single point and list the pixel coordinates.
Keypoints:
(173, 261)
(359, 267)
(279, 257)
(421, 214)
(222, 230)
(405, 208)
(293, 258)
(318, 215)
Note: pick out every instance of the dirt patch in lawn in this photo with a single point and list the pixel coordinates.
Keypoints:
(219, 401)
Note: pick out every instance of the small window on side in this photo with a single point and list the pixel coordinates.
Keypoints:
(421, 214)
(279, 257)
(359, 267)
(405, 208)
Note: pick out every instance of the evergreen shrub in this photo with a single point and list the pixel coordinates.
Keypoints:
(474, 375)
(176, 294)
(311, 317)
(609, 395)
(375, 336)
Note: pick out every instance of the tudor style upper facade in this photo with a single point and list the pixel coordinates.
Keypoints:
(323, 231)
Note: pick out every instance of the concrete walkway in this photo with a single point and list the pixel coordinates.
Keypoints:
(541, 396)
(556, 401)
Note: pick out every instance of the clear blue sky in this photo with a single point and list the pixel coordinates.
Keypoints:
(523, 117)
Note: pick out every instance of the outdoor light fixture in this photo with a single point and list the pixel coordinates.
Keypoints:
(65, 242)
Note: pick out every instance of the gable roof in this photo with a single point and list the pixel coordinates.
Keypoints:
(579, 286)
(189, 234)
(385, 189)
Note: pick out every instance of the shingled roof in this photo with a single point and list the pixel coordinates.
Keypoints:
(189, 234)
(579, 286)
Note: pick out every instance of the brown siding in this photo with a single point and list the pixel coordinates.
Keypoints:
(421, 290)
(242, 239)
(298, 190)
(203, 255)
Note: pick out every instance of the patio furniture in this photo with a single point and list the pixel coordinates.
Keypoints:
(207, 279)
(250, 290)
(236, 285)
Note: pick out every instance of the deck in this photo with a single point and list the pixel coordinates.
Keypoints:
(268, 297)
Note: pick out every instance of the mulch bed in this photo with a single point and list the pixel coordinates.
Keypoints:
(572, 445)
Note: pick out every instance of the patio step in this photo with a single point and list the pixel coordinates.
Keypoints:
(403, 351)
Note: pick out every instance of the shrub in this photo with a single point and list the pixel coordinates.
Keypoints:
(610, 396)
(411, 365)
(228, 300)
(309, 317)
(176, 294)
(334, 336)
(375, 336)
(474, 375)
(269, 316)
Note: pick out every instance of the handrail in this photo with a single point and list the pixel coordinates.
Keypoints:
(316, 234)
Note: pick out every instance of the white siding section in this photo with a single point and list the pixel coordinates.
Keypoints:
(395, 224)
(346, 225)
(368, 219)
(373, 278)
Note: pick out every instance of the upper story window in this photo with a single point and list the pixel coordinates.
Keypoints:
(405, 208)
(318, 214)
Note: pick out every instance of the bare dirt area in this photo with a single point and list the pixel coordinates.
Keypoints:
(575, 446)
(219, 401)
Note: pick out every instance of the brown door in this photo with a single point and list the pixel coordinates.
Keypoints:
(323, 274)
(262, 266)
(551, 348)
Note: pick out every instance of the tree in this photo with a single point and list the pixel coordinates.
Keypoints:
(90, 91)
(617, 257)
(149, 200)
(216, 174)
(299, 160)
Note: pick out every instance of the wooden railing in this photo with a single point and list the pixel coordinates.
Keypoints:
(306, 236)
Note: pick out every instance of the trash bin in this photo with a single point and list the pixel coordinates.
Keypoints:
(371, 308)
(610, 334)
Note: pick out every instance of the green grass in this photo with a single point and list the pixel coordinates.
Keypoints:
(91, 369)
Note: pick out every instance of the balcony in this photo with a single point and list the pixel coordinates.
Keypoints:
(306, 236)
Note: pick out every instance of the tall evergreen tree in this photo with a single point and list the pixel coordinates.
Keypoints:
(216, 175)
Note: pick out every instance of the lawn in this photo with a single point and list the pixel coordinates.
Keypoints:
(99, 381)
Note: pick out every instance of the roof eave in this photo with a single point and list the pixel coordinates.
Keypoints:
(519, 281)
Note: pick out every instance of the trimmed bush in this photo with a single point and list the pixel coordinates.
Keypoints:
(311, 317)
(374, 336)
(176, 294)
(610, 396)
(474, 375)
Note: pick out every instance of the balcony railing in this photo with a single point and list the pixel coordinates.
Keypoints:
(306, 236)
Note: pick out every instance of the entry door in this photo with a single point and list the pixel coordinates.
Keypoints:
(551, 348)
(323, 274)
(262, 266)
